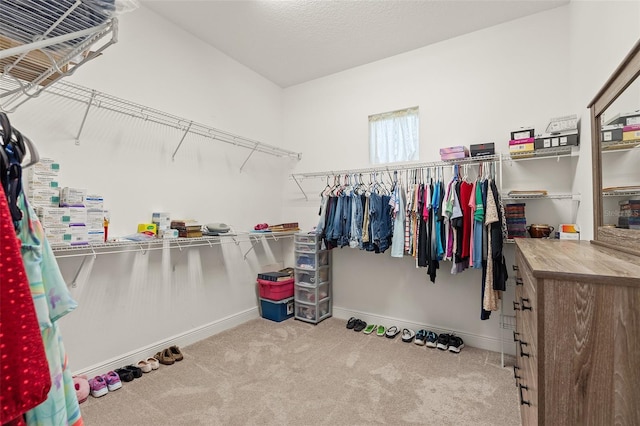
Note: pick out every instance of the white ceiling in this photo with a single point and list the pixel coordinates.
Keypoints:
(291, 42)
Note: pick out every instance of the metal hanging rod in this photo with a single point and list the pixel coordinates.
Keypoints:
(112, 103)
(398, 167)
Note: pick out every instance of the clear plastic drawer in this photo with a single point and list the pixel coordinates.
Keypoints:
(308, 294)
(312, 277)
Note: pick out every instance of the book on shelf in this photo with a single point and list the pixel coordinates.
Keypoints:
(274, 276)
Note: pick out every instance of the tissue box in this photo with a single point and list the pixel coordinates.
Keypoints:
(95, 202)
(54, 216)
(168, 233)
(162, 220)
(148, 227)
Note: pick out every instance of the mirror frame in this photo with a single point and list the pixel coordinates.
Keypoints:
(626, 240)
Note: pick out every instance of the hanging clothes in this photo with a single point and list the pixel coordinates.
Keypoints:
(52, 301)
(25, 380)
(398, 212)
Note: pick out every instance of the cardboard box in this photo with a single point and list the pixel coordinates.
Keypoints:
(54, 216)
(95, 235)
(625, 119)
(41, 180)
(569, 236)
(631, 133)
(34, 64)
(94, 202)
(46, 166)
(77, 216)
(95, 218)
(162, 220)
(454, 152)
(478, 150)
(79, 235)
(58, 236)
(168, 233)
(523, 133)
(552, 141)
(72, 197)
(44, 197)
(521, 148)
(148, 228)
(611, 133)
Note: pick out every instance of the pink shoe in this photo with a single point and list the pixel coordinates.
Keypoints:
(98, 387)
(82, 388)
(112, 380)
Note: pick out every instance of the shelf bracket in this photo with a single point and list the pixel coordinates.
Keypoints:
(84, 118)
(186, 132)
(300, 186)
(253, 245)
(249, 156)
(74, 283)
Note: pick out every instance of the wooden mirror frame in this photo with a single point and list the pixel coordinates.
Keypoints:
(626, 240)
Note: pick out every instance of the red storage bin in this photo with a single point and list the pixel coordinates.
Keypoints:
(276, 290)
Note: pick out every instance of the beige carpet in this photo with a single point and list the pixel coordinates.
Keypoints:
(294, 373)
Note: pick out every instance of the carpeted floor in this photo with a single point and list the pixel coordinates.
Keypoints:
(294, 373)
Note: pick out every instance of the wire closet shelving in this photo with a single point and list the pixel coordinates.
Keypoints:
(41, 42)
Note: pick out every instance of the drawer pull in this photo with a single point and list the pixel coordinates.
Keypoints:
(525, 307)
(522, 401)
(519, 281)
(516, 306)
(522, 352)
(515, 339)
(515, 373)
(515, 267)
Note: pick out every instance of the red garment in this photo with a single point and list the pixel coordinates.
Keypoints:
(465, 195)
(24, 371)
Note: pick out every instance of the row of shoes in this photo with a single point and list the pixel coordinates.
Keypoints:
(444, 341)
(112, 381)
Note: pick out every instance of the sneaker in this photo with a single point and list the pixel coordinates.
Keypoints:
(421, 337)
(455, 344)
(443, 342)
(98, 387)
(112, 380)
(431, 339)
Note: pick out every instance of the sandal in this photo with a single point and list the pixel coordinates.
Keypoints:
(392, 332)
(369, 329)
(360, 325)
(351, 322)
(381, 330)
(124, 374)
(136, 371)
(153, 363)
(175, 353)
(164, 357)
(408, 335)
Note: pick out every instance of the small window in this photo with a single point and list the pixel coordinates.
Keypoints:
(393, 136)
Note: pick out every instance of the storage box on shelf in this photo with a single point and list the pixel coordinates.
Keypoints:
(312, 279)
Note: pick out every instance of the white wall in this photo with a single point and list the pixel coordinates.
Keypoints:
(471, 89)
(131, 301)
(602, 33)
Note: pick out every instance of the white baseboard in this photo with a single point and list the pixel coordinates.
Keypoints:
(184, 339)
(489, 343)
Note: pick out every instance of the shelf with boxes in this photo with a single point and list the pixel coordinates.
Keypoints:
(312, 293)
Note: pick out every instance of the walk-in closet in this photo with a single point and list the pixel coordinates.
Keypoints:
(319, 212)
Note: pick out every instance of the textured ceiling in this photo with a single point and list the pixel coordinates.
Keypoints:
(291, 42)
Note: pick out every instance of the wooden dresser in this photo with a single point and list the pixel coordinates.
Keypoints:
(577, 334)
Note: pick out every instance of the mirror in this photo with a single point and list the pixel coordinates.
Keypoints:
(615, 144)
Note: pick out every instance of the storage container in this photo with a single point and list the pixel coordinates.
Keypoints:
(277, 310)
(312, 277)
(276, 290)
(311, 294)
(312, 260)
(313, 313)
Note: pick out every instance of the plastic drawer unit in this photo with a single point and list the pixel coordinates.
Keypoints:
(312, 288)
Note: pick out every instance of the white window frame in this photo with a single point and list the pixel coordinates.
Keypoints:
(394, 136)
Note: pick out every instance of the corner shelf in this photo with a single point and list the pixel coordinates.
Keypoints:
(546, 153)
(553, 196)
(619, 146)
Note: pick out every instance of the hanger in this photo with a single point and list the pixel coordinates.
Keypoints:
(20, 144)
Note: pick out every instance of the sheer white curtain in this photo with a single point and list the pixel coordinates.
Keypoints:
(393, 136)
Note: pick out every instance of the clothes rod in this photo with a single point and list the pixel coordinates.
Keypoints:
(404, 166)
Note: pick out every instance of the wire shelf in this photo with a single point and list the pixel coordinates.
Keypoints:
(619, 146)
(41, 42)
(621, 193)
(113, 247)
(508, 322)
(556, 196)
(556, 152)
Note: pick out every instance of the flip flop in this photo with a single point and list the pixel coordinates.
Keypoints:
(408, 335)
(369, 329)
(381, 330)
(392, 332)
(360, 325)
(351, 322)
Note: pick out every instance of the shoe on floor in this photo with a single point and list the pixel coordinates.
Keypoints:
(175, 353)
(82, 388)
(144, 366)
(421, 337)
(392, 332)
(153, 363)
(112, 380)
(455, 344)
(164, 357)
(351, 323)
(98, 387)
(369, 329)
(124, 374)
(443, 341)
(431, 339)
(381, 330)
(137, 372)
(408, 335)
(360, 325)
